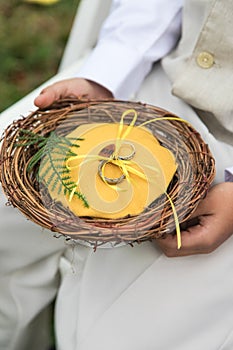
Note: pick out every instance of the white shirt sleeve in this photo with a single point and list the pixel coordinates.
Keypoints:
(136, 34)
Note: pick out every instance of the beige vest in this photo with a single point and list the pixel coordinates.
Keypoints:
(201, 67)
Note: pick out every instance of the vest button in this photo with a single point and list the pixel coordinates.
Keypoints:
(205, 59)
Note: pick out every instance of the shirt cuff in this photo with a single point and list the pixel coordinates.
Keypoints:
(100, 67)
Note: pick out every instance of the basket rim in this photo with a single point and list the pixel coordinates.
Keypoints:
(22, 191)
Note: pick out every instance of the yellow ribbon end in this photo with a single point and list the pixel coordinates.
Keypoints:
(178, 233)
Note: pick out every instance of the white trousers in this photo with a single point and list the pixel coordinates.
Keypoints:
(123, 298)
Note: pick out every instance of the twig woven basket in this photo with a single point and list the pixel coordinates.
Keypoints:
(190, 183)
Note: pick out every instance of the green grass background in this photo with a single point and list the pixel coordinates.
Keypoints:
(32, 40)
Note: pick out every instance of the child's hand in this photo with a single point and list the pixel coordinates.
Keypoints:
(215, 215)
(75, 87)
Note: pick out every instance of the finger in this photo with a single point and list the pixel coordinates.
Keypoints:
(213, 226)
(194, 240)
(49, 95)
(202, 238)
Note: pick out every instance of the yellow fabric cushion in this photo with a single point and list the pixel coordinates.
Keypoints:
(155, 163)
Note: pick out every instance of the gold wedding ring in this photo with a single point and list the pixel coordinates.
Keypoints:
(110, 181)
(129, 156)
(117, 180)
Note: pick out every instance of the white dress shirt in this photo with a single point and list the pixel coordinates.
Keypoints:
(133, 37)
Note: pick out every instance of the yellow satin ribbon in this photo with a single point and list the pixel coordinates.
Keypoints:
(126, 165)
(122, 136)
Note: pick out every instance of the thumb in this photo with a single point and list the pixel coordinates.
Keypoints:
(49, 95)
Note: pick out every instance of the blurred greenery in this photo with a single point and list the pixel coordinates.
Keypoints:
(32, 39)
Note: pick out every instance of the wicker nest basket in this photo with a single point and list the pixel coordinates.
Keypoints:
(190, 183)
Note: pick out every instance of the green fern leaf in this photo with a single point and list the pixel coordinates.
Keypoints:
(50, 157)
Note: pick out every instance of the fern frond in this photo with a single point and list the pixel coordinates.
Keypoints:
(52, 151)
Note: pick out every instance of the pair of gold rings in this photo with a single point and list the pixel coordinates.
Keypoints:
(117, 180)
